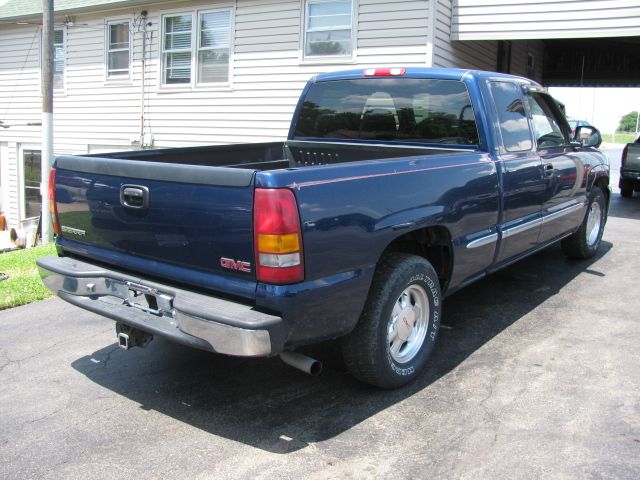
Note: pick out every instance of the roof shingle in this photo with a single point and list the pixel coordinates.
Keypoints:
(20, 9)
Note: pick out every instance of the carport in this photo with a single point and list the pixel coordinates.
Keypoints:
(599, 62)
(575, 43)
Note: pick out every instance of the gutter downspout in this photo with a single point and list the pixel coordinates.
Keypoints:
(143, 65)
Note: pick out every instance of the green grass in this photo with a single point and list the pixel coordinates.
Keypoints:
(618, 137)
(23, 285)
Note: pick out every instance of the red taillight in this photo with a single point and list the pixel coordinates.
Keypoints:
(52, 201)
(624, 155)
(277, 237)
(385, 72)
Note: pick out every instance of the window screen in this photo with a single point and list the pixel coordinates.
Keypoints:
(399, 109)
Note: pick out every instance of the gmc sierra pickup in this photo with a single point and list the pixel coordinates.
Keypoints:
(394, 188)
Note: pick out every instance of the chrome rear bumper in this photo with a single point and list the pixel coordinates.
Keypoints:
(186, 317)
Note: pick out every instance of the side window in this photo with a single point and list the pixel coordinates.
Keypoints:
(118, 50)
(214, 46)
(176, 48)
(196, 48)
(514, 126)
(58, 59)
(546, 123)
(328, 28)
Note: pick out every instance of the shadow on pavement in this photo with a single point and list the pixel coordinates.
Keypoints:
(625, 207)
(268, 405)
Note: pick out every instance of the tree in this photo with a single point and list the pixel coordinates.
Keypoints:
(628, 122)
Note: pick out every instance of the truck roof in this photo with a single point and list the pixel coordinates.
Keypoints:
(424, 72)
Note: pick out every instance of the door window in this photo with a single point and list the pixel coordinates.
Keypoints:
(547, 124)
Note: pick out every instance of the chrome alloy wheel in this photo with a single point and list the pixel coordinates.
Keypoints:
(408, 324)
(593, 223)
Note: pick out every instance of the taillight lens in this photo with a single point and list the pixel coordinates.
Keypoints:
(277, 237)
(53, 209)
(624, 155)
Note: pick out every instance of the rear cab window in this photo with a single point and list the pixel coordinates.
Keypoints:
(398, 109)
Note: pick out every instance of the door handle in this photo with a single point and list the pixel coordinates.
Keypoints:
(134, 196)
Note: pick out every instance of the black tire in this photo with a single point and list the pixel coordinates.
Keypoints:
(584, 243)
(400, 279)
(626, 188)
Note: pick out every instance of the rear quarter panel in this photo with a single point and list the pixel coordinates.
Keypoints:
(351, 212)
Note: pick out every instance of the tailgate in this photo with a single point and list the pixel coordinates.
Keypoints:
(184, 215)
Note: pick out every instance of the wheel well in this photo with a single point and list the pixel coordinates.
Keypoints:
(432, 243)
(602, 183)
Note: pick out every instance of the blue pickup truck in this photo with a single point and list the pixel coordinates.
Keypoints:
(394, 188)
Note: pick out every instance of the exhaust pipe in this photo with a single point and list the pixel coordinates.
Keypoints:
(302, 362)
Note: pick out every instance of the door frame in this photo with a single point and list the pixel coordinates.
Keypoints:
(4, 180)
(22, 210)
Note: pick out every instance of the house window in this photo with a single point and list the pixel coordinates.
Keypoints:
(196, 52)
(31, 168)
(58, 59)
(214, 32)
(328, 28)
(176, 49)
(118, 50)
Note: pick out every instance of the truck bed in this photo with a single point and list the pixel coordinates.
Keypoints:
(277, 155)
(199, 215)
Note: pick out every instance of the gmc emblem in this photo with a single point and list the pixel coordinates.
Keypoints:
(237, 265)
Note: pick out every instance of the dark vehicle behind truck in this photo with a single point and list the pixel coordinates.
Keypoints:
(630, 169)
(395, 188)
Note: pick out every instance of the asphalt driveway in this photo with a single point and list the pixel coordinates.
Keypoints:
(536, 375)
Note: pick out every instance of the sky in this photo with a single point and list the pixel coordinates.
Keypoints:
(603, 107)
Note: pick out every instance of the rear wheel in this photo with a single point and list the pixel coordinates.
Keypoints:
(585, 241)
(398, 327)
(626, 188)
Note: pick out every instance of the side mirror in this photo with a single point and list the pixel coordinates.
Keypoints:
(588, 136)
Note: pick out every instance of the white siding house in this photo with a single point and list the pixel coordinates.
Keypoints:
(545, 19)
(107, 100)
(149, 74)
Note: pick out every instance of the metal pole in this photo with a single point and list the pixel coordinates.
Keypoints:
(47, 115)
(637, 120)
